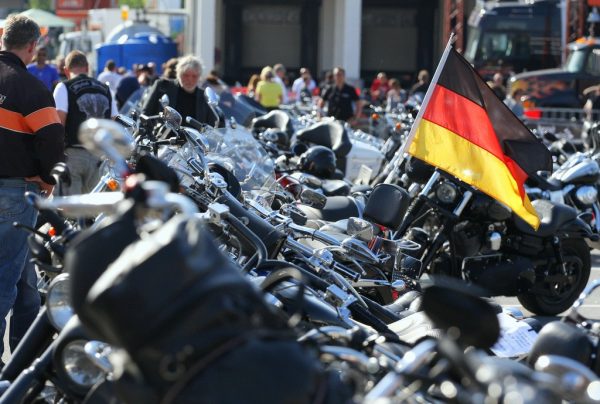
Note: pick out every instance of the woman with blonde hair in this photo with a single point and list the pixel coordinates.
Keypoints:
(268, 93)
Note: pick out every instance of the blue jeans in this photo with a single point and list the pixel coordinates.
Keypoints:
(14, 250)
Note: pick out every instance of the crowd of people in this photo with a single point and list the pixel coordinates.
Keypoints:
(58, 99)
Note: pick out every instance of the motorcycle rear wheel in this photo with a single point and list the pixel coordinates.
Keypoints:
(576, 255)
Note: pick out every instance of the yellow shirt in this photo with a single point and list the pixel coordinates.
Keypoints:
(270, 93)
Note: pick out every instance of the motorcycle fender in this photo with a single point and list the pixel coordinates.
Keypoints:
(578, 228)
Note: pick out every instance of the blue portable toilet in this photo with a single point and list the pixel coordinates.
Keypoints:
(136, 42)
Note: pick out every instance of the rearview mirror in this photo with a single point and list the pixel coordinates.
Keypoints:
(313, 199)
(211, 97)
(106, 137)
(164, 101)
(172, 117)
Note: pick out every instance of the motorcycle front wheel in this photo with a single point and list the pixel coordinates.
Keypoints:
(559, 292)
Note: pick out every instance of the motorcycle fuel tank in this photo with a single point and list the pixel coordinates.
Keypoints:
(585, 172)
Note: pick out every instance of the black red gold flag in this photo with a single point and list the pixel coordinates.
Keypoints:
(467, 131)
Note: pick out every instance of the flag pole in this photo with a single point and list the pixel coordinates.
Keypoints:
(413, 130)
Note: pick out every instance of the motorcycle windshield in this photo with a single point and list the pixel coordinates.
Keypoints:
(237, 150)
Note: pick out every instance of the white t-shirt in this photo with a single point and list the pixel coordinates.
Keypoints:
(299, 84)
(110, 78)
(61, 98)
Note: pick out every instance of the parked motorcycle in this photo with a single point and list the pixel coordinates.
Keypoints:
(466, 234)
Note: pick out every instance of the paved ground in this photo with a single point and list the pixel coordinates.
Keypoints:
(591, 308)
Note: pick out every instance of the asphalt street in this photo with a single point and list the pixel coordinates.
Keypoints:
(591, 308)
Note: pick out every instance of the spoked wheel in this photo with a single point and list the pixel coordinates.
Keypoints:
(560, 289)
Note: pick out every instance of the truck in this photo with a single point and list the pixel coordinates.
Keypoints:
(508, 37)
(563, 87)
(85, 41)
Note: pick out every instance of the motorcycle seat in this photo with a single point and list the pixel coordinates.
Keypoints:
(335, 187)
(274, 120)
(336, 208)
(552, 217)
(328, 134)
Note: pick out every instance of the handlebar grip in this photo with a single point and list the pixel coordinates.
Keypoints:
(271, 237)
(194, 123)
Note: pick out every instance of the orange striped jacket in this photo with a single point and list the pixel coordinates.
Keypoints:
(31, 134)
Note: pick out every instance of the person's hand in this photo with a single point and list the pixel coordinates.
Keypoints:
(45, 188)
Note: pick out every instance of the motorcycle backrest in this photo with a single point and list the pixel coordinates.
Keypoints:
(387, 205)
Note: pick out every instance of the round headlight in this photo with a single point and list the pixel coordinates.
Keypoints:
(78, 366)
(446, 192)
(587, 195)
(58, 302)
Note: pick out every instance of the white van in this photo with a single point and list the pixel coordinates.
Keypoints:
(84, 41)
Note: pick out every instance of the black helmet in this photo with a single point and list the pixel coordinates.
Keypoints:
(318, 161)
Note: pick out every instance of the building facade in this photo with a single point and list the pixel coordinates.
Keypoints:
(363, 36)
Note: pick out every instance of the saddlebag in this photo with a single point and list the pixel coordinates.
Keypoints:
(196, 330)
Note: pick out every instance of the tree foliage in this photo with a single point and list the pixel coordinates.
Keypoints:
(133, 3)
(41, 4)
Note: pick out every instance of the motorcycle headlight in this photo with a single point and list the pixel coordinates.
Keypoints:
(446, 192)
(587, 195)
(58, 303)
(80, 369)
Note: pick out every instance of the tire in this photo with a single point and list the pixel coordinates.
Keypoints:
(576, 255)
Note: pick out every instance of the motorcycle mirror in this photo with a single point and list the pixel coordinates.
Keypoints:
(360, 228)
(313, 199)
(566, 371)
(211, 97)
(172, 117)
(457, 308)
(61, 174)
(106, 137)
(164, 101)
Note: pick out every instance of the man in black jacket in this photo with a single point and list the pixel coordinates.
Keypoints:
(31, 143)
(341, 98)
(80, 98)
(184, 94)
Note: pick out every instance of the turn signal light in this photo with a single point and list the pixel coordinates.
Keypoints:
(398, 126)
(375, 117)
(52, 232)
(112, 184)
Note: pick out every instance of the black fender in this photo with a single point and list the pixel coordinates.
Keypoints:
(578, 228)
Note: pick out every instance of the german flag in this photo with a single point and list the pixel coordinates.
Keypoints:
(467, 131)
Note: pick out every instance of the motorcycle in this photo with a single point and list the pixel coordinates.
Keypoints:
(468, 235)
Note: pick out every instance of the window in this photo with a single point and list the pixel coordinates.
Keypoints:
(593, 63)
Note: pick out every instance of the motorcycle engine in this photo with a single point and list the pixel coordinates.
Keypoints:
(468, 238)
(500, 274)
